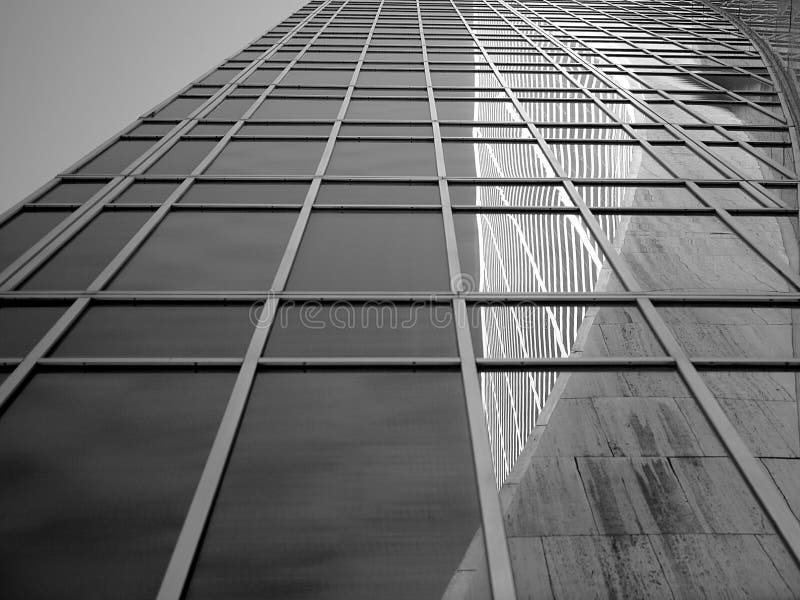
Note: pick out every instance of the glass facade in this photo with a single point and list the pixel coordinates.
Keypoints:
(298, 331)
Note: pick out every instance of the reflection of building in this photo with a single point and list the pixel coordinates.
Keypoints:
(530, 252)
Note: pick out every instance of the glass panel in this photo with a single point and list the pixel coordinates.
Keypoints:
(733, 332)
(376, 497)
(597, 196)
(117, 157)
(384, 251)
(22, 326)
(378, 193)
(317, 77)
(691, 254)
(397, 110)
(98, 472)
(397, 79)
(153, 129)
(524, 252)
(508, 195)
(299, 129)
(232, 192)
(496, 159)
(180, 108)
(371, 329)
(159, 329)
(25, 229)
(146, 193)
(210, 251)
(231, 109)
(618, 161)
(455, 110)
(386, 130)
(263, 77)
(183, 157)
(210, 129)
(298, 108)
(558, 331)
(268, 158)
(71, 193)
(382, 158)
(685, 163)
(82, 259)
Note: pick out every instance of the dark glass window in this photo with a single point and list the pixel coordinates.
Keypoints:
(317, 77)
(298, 108)
(496, 159)
(245, 193)
(183, 157)
(21, 327)
(362, 482)
(382, 158)
(117, 157)
(180, 108)
(233, 250)
(146, 193)
(363, 251)
(391, 110)
(369, 329)
(231, 109)
(210, 129)
(299, 129)
(386, 130)
(263, 77)
(153, 129)
(25, 229)
(98, 472)
(487, 194)
(82, 259)
(378, 193)
(159, 329)
(71, 193)
(262, 157)
(396, 79)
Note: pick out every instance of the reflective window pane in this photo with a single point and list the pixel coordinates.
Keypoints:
(23, 230)
(210, 251)
(383, 251)
(117, 157)
(146, 193)
(298, 108)
(371, 329)
(21, 326)
(180, 108)
(159, 329)
(382, 158)
(203, 192)
(231, 109)
(82, 259)
(376, 497)
(527, 252)
(378, 193)
(390, 110)
(183, 157)
(98, 472)
(396, 79)
(268, 158)
(508, 195)
(71, 193)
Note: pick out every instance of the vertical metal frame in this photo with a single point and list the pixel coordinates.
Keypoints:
(176, 577)
(501, 576)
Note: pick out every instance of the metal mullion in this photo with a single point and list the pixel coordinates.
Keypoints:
(498, 559)
(188, 543)
(647, 110)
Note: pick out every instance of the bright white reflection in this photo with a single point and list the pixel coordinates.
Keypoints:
(527, 253)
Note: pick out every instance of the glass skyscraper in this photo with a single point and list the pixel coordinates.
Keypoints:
(409, 299)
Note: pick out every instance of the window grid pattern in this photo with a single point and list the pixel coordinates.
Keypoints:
(573, 123)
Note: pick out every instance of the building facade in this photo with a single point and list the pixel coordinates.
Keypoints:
(417, 299)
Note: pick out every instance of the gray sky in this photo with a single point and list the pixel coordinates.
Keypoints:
(73, 73)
